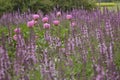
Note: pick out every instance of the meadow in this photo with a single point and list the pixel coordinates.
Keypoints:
(76, 45)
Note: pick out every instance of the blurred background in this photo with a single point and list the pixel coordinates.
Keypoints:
(47, 6)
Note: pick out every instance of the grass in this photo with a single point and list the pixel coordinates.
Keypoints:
(109, 5)
(106, 4)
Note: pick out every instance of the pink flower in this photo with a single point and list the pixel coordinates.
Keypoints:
(36, 16)
(31, 24)
(17, 30)
(15, 37)
(56, 22)
(69, 17)
(73, 24)
(36, 37)
(35, 22)
(46, 26)
(45, 19)
(58, 14)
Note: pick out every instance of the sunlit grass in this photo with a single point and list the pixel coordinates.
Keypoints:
(109, 5)
(106, 4)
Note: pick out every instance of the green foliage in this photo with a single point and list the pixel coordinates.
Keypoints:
(70, 4)
(116, 0)
(33, 5)
(44, 5)
(105, 0)
(5, 6)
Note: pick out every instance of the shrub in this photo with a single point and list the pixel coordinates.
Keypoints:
(44, 5)
(70, 4)
(5, 6)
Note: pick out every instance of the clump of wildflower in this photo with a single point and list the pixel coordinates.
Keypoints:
(45, 20)
(31, 24)
(15, 37)
(69, 17)
(73, 24)
(58, 14)
(56, 22)
(46, 26)
(36, 16)
(17, 30)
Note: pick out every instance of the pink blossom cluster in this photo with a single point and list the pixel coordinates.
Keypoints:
(32, 23)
